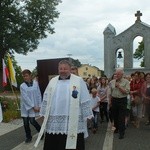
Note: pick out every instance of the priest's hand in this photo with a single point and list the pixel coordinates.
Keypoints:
(36, 109)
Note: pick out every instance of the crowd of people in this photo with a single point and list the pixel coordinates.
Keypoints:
(123, 99)
(71, 104)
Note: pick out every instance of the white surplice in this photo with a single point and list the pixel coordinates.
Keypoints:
(57, 104)
(30, 97)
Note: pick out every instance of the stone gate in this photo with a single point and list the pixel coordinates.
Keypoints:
(124, 40)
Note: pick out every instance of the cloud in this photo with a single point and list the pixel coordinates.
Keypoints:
(79, 30)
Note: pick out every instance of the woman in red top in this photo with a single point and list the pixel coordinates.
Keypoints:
(135, 91)
(145, 90)
(142, 76)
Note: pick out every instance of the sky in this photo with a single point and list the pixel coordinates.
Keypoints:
(79, 30)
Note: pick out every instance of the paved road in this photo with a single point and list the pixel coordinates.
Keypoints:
(135, 139)
(104, 139)
(14, 140)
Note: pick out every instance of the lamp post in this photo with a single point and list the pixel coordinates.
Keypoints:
(69, 55)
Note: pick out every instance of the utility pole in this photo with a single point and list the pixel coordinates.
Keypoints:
(70, 60)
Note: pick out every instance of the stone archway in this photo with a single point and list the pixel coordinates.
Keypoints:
(124, 40)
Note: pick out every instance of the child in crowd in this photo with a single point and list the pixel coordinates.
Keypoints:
(95, 102)
(102, 90)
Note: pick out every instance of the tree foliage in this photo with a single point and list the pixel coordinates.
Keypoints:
(76, 62)
(139, 53)
(24, 22)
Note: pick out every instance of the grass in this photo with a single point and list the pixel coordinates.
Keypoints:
(10, 108)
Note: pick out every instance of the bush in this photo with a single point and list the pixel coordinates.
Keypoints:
(9, 109)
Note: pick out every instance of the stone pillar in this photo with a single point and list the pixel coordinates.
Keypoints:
(147, 51)
(109, 59)
(128, 55)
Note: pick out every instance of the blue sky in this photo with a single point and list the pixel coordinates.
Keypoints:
(79, 30)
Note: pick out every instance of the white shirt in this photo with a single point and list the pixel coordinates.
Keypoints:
(30, 97)
(102, 91)
(94, 102)
(59, 112)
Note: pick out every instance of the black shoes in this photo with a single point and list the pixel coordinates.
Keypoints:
(147, 123)
(28, 140)
(42, 137)
(121, 136)
(116, 131)
(101, 121)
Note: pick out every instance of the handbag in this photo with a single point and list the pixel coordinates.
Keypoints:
(137, 100)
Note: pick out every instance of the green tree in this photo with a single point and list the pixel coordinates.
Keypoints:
(139, 53)
(76, 62)
(23, 23)
(34, 72)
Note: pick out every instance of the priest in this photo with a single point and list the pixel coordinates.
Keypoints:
(65, 108)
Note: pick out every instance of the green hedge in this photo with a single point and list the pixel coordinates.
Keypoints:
(10, 108)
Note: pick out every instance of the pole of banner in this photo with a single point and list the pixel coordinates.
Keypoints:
(17, 99)
(9, 78)
(1, 114)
